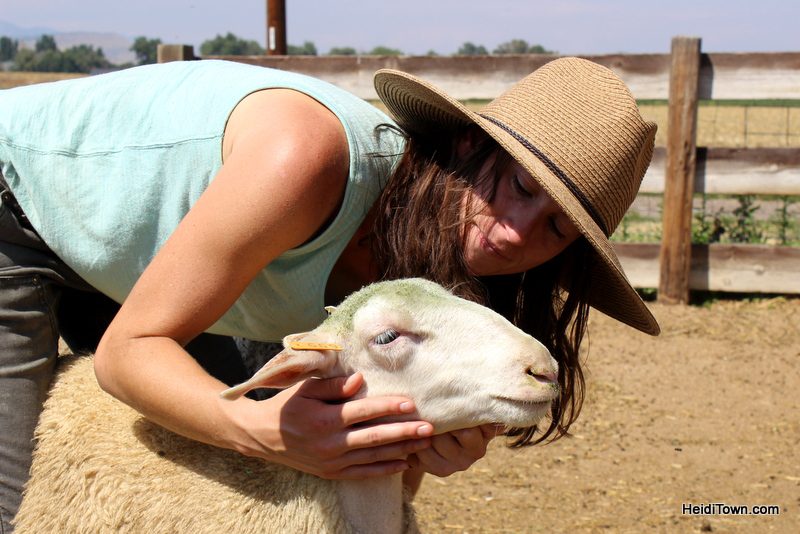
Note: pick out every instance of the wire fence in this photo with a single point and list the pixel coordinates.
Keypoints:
(753, 219)
(736, 123)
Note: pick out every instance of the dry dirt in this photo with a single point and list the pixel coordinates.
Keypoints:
(709, 412)
(16, 79)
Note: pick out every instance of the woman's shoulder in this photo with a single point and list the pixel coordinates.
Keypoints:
(288, 124)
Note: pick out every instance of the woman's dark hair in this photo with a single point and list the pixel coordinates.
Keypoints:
(418, 231)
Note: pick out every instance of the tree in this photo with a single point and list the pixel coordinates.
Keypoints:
(471, 49)
(385, 51)
(46, 43)
(81, 58)
(8, 48)
(520, 46)
(308, 49)
(342, 51)
(230, 45)
(46, 61)
(539, 49)
(146, 50)
(84, 58)
(23, 60)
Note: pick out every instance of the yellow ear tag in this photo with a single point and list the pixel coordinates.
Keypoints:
(310, 345)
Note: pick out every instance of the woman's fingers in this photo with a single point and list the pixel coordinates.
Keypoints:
(454, 451)
(434, 463)
(384, 434)
(363, 410)
(394, 451)
(365, 452)
(377, 461)
(331, 389)
(356, 411)
(471, 439)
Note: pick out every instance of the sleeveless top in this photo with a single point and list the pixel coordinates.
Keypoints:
(105, 167)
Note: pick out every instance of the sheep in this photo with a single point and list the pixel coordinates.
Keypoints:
(101, 467)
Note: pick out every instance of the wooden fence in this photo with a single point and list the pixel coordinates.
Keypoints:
(684, 76)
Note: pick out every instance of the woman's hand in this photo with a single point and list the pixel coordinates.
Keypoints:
(455, 451)
(449, 452)
(300, 427)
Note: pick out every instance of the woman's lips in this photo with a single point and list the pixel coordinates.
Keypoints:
(491, 248)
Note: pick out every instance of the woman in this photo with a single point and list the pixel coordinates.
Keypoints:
(224, 198)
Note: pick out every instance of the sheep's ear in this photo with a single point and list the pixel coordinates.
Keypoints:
(287, 368)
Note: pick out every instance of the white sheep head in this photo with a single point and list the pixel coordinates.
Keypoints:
(463, 364)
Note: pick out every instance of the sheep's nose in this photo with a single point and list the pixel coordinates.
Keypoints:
(546, 376)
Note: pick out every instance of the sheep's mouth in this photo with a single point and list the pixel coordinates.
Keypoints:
(525, 403)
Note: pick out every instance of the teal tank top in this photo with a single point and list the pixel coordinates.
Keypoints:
(105, 167)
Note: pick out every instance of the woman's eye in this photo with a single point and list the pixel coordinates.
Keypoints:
(518, 187)
(554, 228)
(386, 337)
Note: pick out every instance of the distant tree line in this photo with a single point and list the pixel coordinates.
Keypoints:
(46, 57)
(231, 45)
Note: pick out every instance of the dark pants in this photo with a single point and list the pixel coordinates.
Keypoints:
(41, 299)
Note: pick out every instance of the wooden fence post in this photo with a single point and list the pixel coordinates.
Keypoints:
(167, 52)
(676, 241)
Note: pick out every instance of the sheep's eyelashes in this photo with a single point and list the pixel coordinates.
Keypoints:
(384, 338)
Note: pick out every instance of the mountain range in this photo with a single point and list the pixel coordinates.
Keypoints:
(116, 47)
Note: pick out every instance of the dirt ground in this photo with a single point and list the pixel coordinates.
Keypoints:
(709, 412)
(16, 79)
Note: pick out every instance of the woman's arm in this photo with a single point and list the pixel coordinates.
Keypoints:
(283, 177)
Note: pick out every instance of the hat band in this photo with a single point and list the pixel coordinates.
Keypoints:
(555, 170)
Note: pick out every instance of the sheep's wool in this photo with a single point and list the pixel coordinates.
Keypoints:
(215, 490)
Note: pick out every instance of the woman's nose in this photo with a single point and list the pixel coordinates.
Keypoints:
(519, 227)
(522, 223)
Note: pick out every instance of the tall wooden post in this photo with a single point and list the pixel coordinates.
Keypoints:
(276, 27)
(676, 243)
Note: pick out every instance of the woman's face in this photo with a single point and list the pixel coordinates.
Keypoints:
(520, 228)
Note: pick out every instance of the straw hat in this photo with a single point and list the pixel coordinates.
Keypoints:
(574, 126)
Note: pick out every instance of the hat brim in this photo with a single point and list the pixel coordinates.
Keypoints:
(421, 108)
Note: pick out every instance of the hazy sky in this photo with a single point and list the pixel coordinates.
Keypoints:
(416, 26)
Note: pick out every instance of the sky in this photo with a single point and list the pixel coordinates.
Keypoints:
(418, 26)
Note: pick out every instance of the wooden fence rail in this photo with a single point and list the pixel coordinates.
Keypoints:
(720, 267)
(739, 76)
(761, 75)
(734, 171)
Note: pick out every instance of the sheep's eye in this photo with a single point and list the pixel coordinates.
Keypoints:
(386, 337)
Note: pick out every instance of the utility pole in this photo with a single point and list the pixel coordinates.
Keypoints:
(276, 27)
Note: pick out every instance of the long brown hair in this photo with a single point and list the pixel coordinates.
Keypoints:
(418, 231)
